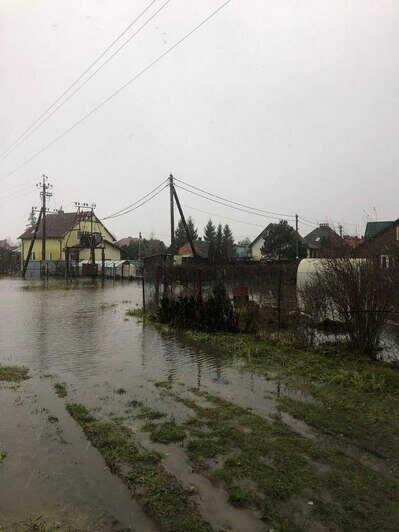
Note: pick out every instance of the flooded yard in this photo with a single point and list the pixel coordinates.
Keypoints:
(120, 422)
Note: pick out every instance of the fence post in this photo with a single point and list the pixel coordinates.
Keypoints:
(279, 302)
(143, 288)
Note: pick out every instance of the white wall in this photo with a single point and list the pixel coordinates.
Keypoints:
(255, 249)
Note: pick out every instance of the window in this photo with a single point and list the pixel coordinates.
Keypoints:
(33, 255)
(386, 261)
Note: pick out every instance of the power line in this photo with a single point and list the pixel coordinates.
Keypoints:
(235, 202)
(86, 80)
(140, 205)
(153, 63)
(226, 204)
(115, 214)
(75, 82)
(220, 216)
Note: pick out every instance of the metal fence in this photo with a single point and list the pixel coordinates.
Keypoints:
(267, 289)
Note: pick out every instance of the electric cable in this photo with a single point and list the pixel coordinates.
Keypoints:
(234, 202)
(148, 67)
(135, 203)
(85, 81)
(75, 82)
(138, 206)
(227, 205)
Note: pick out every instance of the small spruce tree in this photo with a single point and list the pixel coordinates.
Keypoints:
(228, 248)
(210, 236)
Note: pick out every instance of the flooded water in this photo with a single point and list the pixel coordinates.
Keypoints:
(79, 334)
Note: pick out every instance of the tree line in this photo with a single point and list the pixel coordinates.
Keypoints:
(220, 238)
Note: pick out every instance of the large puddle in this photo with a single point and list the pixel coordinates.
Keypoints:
(79, 334)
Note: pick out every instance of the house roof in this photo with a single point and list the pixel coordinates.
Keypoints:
(58, 224)
(374, 228)
(261, 234)
(127, 241)
(200, 246)
(323, 232)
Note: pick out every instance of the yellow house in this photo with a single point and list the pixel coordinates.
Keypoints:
(67, 231)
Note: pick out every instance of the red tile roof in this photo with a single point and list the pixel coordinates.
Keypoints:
(58, 224)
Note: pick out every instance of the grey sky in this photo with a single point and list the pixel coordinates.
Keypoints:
(289, 106)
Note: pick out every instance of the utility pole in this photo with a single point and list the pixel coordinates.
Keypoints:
(44, 194)
(296, 237)
(140, 245)
(190, 240)
(172, 215)
(340, 230)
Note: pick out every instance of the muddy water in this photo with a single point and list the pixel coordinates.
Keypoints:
(79, 334)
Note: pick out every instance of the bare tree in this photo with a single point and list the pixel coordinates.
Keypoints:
(359, 294)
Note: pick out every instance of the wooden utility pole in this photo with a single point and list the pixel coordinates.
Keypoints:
(296, 237)
(190, 240)
(172, 215)
(32, 244)
(44, 194)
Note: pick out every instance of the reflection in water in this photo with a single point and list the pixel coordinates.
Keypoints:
(78, 332)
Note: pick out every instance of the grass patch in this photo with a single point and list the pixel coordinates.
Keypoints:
(52, 419)
(13, 373)
(60, 389)
(133, 403)
(167, 432)
(266, 466)
(358, 399)
(120, 391)
(3, 456)
(105, 306)
(163, 384)
(159, 492)
(135, 312)
(149, 413)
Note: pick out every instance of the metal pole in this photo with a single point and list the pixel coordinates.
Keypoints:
(143, 288)
(172, 216)
(296, 237)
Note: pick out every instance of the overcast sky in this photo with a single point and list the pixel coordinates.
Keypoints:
(286, 106)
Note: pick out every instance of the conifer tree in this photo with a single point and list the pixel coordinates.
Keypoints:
(228, 248)
(210, 236)
(180, 233)
(219, 242)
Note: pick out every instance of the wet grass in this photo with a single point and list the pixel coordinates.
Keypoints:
(357, 399)
(167, 432)
(105, 306)
(135, 312)
(13, 373)
(3, 456)
(163, 384)
(60, 389)
(161, 495)
(149, 413)
(295, 483)
(40, 525)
